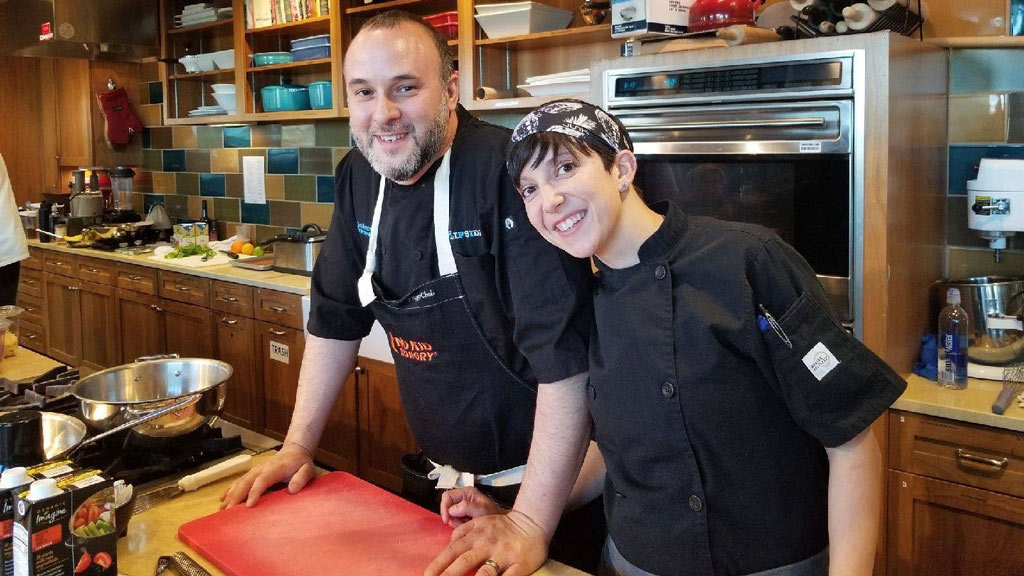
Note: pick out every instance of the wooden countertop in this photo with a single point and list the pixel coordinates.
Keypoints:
(971, 405)
(293, 283)
(154, 533)
(26, 364)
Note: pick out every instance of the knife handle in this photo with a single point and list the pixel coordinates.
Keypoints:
(236, 465)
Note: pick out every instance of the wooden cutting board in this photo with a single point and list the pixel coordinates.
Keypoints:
(339, 524)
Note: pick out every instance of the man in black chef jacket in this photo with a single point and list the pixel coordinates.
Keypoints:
(441, 253)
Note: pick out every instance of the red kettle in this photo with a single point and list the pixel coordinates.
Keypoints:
(713, 14)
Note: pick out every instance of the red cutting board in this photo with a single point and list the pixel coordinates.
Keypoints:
(339, 524)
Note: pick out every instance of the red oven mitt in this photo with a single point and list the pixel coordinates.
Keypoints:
(121, 122)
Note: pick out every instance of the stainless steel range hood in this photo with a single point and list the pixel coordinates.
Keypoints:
(90, 29)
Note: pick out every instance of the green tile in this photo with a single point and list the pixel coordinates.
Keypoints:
(152, 160)
(287, 214)
(161, 137)
(226, 209)
(332, 133)
(301, 188)
(298, 135)
(234, 185)
(210, 136)
(266, 136)
(197, 160)
(315, 161)
(177, 206)
(188, 183)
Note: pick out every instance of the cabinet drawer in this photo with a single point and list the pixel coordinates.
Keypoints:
(61, 264)
(32, 306)
(30, 283)
(99, 271)
(279, 308)
(34, 260)
(979, 456)
(33, 336)
(232, 298)
(184, 288)
(137, 278)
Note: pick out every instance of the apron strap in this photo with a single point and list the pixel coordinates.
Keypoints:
(442, 219)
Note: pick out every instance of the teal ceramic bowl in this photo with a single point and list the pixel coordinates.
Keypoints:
(320, 95)
(285, 97)
(269, 58)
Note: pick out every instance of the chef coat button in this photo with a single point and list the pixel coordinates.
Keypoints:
(592, 391)
(418, 255)
(695, 503)
(659, 272)
(668, 390)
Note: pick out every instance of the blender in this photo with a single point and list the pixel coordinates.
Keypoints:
(122, 184)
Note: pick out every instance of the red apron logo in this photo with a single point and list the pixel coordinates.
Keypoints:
(45, 31)
(418, 351)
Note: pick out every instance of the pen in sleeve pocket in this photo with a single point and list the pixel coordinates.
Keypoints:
(774, 326)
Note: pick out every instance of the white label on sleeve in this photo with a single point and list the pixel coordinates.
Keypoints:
(820, 361)
(279, 352)
(810, 147)
(1003, 323)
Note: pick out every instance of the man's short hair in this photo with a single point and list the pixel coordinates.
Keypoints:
(394, 18)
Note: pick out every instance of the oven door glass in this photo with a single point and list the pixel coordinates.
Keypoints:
(805, 199)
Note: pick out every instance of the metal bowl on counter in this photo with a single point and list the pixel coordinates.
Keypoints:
(994, 306)
(190, 390)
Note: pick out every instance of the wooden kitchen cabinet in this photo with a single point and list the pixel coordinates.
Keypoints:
(82, 324)
(956, 497)
(384, 435)
(280, 357)
(65, 319)
(188, 330)
(142, 325)
(340, 444)
(236, 345)
(72, 113)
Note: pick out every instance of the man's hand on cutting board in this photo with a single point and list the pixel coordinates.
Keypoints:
(292, 463)
(512, 541)
(461, 505)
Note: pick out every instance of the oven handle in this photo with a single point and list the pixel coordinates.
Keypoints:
(779, 123)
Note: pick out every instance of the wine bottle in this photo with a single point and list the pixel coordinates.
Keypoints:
(211, 228)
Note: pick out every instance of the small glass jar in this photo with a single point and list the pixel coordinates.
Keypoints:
(12, 315)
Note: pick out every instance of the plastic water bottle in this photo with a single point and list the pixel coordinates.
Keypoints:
(953, 343)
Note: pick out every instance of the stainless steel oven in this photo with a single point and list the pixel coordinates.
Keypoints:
(771, 142)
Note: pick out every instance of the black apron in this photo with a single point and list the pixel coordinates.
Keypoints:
(465, 407)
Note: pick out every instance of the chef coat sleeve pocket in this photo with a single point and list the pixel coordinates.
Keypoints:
(834, 386)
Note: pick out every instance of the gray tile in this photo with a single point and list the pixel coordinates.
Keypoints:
(316, 161)
(177, 206)
(286, 214)
(210, 136)
(300, 188)
(1015, 117)
(332, 133)
(234, 185)
(266, 136)
(197, 160)
(298, 135)
(986, 70)
(188, 183)
(226, 209)
(152, 160)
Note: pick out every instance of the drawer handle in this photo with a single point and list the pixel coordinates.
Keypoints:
(29, 309)
(134, 277)
(31, 336)
(228, 321)
(998, 464)
(92, 270)
(156, 308)
(277, 332)
(181, 288)
(72, 288)
(58, 264)
(229, 299)
(29, 282)
(278, 309)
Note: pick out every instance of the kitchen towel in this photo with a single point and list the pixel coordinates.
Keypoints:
(339, 524)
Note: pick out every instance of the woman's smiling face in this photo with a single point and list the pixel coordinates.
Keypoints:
(572, 200)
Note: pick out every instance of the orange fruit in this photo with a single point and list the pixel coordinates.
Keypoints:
(247, 248)
(237, 247)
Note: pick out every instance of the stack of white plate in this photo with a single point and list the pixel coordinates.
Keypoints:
(571, 82)
(209, 111)
(200, 14)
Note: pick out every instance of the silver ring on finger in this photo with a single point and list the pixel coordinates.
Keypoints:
(493, 565)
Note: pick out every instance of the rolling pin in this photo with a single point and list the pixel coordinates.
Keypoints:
(738, 35)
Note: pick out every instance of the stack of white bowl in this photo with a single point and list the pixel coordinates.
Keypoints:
(224, 94)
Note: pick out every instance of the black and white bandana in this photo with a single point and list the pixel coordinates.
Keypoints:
(577, 119)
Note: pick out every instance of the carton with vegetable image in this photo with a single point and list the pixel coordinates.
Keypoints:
(71, 531)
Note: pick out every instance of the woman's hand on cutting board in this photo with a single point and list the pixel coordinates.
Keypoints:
(512, 541)
(292, 463)
(461, 505)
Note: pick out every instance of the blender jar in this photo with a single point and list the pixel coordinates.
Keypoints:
(122, 184)
(12, 316)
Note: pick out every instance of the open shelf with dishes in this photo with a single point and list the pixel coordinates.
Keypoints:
(518, 59)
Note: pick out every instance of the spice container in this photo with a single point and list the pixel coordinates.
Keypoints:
(10, 338)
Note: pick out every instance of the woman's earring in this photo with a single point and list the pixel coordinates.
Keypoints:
(623, 187)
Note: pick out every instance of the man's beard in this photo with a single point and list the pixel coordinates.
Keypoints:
(426, 148)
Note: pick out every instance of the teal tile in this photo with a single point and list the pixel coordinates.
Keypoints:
(212, 185)
(994, 70)
(266, 136)
(316, 161)
(283, 161)
(174, 160)
(237, 137)
(152, 160)
(227, 209)
(210, 136)
(234, 185)
(325, 189)
(332, 133)
(300, 188)
(298, 135)
(256, 214)
(156, 93)
(287, 214)
(197, 160)
(187, 183)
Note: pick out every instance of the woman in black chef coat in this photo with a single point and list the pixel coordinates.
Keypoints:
(732, 408)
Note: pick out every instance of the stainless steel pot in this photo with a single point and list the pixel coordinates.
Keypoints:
(127, 393)
(86, 205)
(994, 305)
